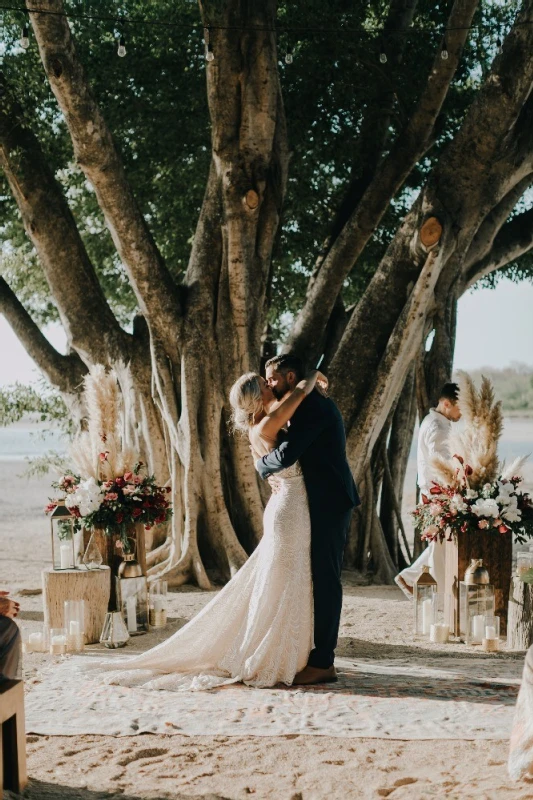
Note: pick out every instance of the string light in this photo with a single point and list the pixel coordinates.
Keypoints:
(25, 38)
(382, 53)
(289, 57)
(444, 50)
(121, 47)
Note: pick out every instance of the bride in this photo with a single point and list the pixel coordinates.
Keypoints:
(258, 629)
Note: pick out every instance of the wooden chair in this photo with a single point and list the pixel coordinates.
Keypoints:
(13, 775)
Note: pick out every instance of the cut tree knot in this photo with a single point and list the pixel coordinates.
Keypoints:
(251, 199)
(430, 232)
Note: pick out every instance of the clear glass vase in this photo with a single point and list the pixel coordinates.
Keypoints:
(114, 633)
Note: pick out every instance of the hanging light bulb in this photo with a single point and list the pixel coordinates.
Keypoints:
(382, 53)
(209, 55)
(121, 47)
(499, 46)
(444, 50)
(25, 38)
(289, 57)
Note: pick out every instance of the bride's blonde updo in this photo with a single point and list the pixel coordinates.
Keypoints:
(245, 399)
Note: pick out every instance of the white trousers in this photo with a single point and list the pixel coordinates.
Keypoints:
(434, 557)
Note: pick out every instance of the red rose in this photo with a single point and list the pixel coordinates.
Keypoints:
(147, 504)
(168, 489)
(120, 517)
(120, 482)
(503, 529)
(137, 512)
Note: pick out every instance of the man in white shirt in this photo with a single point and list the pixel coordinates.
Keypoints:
(432, 441)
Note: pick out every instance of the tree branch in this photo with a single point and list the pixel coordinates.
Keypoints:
(98, 157)
(514, 240)
(52, 229)
(64, 372)
(493, 222)
(389, 177)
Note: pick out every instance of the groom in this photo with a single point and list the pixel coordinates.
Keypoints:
(317, 440)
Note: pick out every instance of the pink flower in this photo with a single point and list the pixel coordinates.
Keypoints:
(435, 509)
(103, 456)
(483, 524)
(431, 532)
(137, 479)
(129, 489)
(111, 496)
(128, 476)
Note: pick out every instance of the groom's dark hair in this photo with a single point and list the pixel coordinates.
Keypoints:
(287, 363)
(450, 391)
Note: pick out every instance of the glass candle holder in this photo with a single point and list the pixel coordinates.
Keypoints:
(439, 630)
(491, 634)
(524, 562)
(58, 641)
(114, 633)
(75, 624)
(158, 604)
(38, 641)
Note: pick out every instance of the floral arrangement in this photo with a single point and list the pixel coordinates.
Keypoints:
(475, 492)
(108, 488)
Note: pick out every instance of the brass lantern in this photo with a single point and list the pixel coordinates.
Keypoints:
(132, 595)
(62, 536)
(424, 588)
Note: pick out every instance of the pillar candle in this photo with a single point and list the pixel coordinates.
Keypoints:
(478, 627)
(65, 556)
(426, 615)
(131, 614)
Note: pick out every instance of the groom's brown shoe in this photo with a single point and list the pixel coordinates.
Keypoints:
(310, 675)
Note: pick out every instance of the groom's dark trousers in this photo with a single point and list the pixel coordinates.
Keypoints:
(316, 439)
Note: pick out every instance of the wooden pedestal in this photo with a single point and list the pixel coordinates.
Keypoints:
(93, 586)
(496, 550)
(520, 621)
(13, 775)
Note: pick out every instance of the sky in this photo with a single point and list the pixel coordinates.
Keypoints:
(495, 329)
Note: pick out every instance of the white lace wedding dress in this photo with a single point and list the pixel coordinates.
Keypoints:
(258, 629)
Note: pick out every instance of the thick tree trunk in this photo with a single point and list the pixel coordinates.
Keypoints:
(397, 453)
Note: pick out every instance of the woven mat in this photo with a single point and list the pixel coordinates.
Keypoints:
(384, 700)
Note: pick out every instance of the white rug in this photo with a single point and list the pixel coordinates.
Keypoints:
(385, 700)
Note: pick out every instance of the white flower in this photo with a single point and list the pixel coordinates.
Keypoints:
(512, 515)
(87, 497)
(486, 508)
(458, 503)
(506, 492)
(471, 494)
(487, 487)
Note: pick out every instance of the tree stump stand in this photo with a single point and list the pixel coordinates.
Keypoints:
(520, 619)
(93, 586)
(496, 551)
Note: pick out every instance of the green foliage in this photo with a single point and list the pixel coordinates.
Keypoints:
(154, 101)
(40, 401)
(512, 385)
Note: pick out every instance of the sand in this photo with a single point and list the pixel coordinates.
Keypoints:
(375, 624)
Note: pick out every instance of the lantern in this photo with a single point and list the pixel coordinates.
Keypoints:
(114, 632)
(424, 588)
(132, 595)
(62, 536)
(476, 602)
(158, 604)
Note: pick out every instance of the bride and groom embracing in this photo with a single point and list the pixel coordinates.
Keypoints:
(277, 620)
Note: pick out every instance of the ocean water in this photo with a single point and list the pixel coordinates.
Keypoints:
(24, 441)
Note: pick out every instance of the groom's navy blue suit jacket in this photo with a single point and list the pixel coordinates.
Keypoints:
(316, 439)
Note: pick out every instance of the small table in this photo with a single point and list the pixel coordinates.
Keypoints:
(91, 585)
